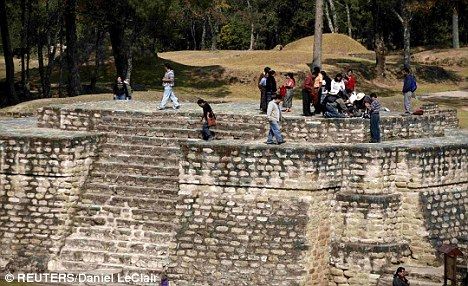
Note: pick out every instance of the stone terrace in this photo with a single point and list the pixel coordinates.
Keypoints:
(120, 186)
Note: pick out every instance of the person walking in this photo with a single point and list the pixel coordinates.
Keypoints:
(374, 112)
(208, 119)
(168, 83)
(120, 90)
(307, 88)
(409, 87)
(399, 278)
(290, 84)
(274, 117)
(262, 88)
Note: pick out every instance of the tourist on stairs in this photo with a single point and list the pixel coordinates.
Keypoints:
(274, 117)
(208, 119)
(399, 278)
(307, 88)
(262, 87)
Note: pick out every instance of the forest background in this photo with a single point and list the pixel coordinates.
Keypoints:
(60, 49)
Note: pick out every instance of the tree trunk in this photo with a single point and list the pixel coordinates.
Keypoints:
(10, 94)
(334, 16)
(61, 59)
(128, 75)
(317, 57)
(329, 20)
(40, 59)
(74, 85)
(23, 44)
(252, 27)
(97, 59)
(455, 35)
(407, 43)
(348, 18)
(214, 34)
(203, 36)
(379, 41)
(252, 37)
(194, 34)
(405, 20)
(119, 49)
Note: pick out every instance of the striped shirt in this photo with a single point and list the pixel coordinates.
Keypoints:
(375, 106)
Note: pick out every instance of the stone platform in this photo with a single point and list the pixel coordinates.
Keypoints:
(121, 187)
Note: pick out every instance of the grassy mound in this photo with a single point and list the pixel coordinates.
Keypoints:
(335, 44)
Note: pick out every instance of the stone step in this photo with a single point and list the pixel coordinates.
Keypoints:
(158, 121)
(159, 214)
(93, 263)
(417, 275)
(117, 258)
(116, 246)
(166, 132)
(140, 154)
(164, 182)
(135, 169)
(132, 139)
(387, 280)
(240, 135)
(151, 203)
(123, 234)
(133, 191)
(229, 125)
(120, 222)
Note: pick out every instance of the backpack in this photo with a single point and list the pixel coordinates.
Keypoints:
(413, 85)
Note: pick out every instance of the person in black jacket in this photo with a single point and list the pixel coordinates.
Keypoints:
(207, 114)
(270, 88)
(399, 279)
(120, 90)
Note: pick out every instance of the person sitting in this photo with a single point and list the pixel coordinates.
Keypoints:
(120, 90)
(337, 85)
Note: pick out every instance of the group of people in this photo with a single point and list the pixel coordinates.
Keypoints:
(333, 98)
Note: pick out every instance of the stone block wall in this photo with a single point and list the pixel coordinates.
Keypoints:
(255, 214)
(252, 236)
(249, 127)
(376, 198)
(40, 182)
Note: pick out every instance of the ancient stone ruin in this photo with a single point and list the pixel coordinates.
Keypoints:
(119, 186)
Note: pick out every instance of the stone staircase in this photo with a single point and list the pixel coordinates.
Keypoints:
(126, 218)
(417, 276)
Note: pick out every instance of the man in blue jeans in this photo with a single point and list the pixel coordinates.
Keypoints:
(274, 117)
(168, 83)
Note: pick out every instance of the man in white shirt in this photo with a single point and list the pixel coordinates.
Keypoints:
(168, 83)
(274, 117)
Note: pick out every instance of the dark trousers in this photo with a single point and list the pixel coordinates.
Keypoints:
(206, 133)
(375, 127)
(306, 99)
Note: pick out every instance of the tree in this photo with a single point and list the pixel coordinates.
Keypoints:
(455, 28)
(379, 39)
(11, 97)
(317, 57)
(405, 19)
(74, 85)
